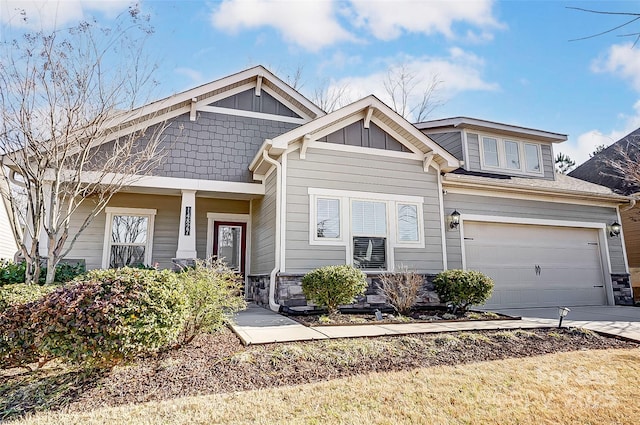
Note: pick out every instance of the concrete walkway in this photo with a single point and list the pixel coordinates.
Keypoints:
(614, 320)
(257, 325)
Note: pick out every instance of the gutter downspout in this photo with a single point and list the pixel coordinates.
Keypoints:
(272, 277)
(632, 203)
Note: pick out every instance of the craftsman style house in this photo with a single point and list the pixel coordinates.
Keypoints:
(261, 176)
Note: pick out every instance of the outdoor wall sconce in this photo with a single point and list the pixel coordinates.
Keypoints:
(614, 229)
(454, 220)
(562, 313)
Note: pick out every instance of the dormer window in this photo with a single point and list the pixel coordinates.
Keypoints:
(510, 155)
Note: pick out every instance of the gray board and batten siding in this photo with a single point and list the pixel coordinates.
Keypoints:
(356, 134)
(494, 206)
(473, 153)
(248, 101)
(263, 225)
(451, 141)
(337, 170)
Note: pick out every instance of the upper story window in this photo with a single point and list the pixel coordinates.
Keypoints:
(510, 155)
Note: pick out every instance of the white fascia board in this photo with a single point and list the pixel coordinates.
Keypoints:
(464, 122)
(360, 107)
(198, 185)
(160, 182)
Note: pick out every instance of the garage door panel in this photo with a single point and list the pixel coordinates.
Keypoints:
(569, 260)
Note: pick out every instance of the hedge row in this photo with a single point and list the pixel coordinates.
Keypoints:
(111, 316)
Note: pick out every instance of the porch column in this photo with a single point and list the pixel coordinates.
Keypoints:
(187, 228)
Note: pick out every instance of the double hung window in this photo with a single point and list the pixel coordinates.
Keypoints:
(128, 237)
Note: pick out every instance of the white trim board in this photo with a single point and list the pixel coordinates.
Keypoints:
(240, 218)
(251, 114)
(144, 212)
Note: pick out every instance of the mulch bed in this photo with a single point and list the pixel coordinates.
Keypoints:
(417, 316)
(220, 364)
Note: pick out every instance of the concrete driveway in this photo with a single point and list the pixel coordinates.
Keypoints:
(616, 320)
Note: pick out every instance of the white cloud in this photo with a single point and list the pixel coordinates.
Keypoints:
(310, 24)
(195, 76)
(49, 14)
(579, 149)
(622, 60)
(317, 24)
(460, 71)
(388, 19)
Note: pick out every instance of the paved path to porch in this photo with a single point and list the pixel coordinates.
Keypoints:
(257, 325)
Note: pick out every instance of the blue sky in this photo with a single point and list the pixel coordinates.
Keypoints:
(505, 61)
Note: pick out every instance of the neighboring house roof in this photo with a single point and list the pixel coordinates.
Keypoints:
(494, 127)
(367, 109)
(597, 170)
(566, 186)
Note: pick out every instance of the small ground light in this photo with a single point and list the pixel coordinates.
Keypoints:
(562, 313)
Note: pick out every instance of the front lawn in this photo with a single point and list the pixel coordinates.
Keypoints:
(219, 364)
(582, 387)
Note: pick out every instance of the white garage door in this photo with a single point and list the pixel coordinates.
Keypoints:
(536, 266)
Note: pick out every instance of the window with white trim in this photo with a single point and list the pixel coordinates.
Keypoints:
(369, 234)
(408, 224)
(510, 155)
(128, 237)
(369, 225)
(328, 218)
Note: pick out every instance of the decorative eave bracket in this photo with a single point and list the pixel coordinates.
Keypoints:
(428, 161)
(367, 118)
(192, 113)
(258, 85)
(305, 145)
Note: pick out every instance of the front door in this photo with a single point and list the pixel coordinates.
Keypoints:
(230, 243)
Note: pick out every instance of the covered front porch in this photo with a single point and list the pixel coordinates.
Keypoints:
(161, 223)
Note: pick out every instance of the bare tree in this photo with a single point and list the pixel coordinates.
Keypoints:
(62, 95)
(329, 96)
(623, 164)
(408, 98)
(629, 17)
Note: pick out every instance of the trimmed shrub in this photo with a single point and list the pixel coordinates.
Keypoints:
(463, 288)
(22, 293)
(213, 291)
(18, 342)
(401, 289)
(65, 272)
(11, 272)
(332, 286)
(110, 316)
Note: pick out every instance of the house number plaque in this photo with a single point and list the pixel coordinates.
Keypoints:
(187, 221)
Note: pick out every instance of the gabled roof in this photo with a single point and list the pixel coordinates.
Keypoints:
(184, 102)
(368, 108)
(596, 170)
(494, 127)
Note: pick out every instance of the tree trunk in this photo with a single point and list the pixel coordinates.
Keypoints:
(51, 270)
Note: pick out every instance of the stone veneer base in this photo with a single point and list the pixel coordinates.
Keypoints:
(288, 292)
